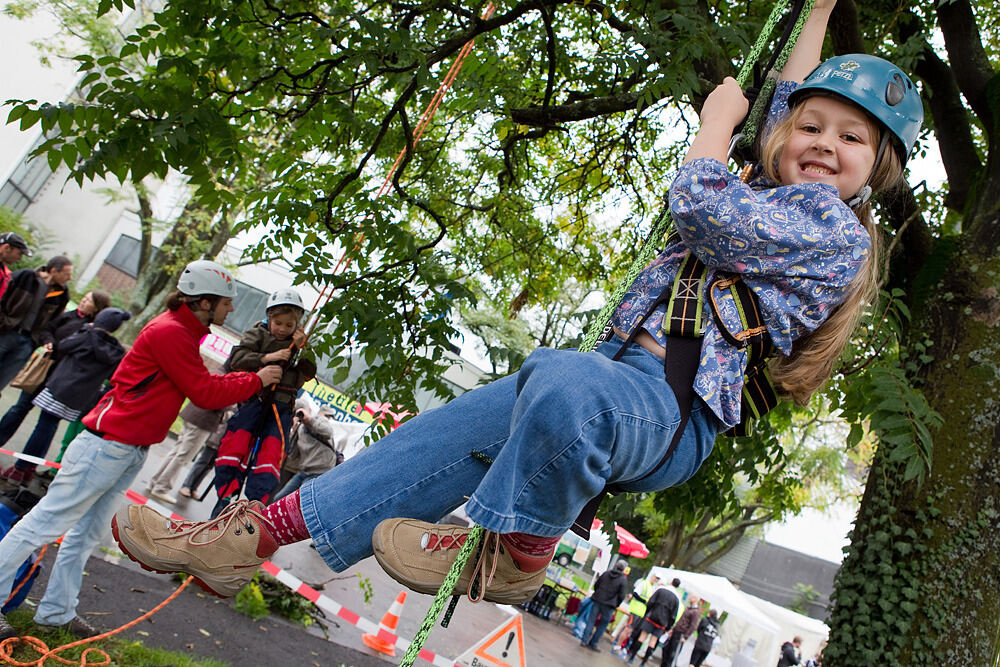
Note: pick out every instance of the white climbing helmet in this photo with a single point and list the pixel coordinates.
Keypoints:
(285, 296)
(206, 277)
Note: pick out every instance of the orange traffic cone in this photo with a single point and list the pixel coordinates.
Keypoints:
(385, 640)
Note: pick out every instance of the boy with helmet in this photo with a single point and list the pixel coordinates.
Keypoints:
(163, 367)
(254, 443)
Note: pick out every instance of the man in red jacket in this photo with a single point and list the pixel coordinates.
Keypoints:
(163, 367)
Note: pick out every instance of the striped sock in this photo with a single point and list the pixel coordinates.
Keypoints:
(286, 517)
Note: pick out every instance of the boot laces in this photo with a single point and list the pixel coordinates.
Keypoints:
(432, 541)
(485, 568)
(239, 513)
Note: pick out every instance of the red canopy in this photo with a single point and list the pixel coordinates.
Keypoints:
(629, 544)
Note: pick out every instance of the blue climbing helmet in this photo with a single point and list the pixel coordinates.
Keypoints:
(877, 86)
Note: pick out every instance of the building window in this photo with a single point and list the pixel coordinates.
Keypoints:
(26, 182)
(125, 255)
(249, 306)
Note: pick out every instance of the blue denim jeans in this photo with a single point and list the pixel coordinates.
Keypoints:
(600, 616)
(82, 498)
(14, 416)
(14, 351)
(40, 438)
(559, 430)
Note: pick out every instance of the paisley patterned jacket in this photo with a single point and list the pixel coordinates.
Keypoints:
(798, 247)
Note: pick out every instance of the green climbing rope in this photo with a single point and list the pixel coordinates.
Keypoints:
(645, 255)
(662, 222)
(759, 110)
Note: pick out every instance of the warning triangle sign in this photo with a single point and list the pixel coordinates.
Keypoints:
(503, 647)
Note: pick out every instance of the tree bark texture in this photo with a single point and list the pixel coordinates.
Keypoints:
(921, 583)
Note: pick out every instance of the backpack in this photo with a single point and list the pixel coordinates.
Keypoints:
(12, 508)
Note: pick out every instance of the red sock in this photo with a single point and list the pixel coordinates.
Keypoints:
(530, 553)
(286, 516)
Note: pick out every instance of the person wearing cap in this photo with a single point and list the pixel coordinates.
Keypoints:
(34, 297)
(12, 248)
(87, 359)
(163, 367)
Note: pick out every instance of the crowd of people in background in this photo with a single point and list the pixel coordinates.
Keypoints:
(655, 616)
(120, 401)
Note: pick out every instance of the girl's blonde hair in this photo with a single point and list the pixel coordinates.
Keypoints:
(811, 362)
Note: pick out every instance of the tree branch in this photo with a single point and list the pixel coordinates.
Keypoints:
(958, 149)
(965, 50)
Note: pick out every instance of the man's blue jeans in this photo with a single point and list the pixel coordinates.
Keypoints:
(15, 349)
(600, 615)
(82, 498)
(14, 416)
(558, 430)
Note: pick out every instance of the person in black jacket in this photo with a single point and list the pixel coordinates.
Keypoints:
(32, 300)
(90, 356)
(790, 653)
(59, 329)
(708, 630)
(661, 613)
(609, 592)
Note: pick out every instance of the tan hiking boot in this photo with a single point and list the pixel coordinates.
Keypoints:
(418, 555)
(222, 554)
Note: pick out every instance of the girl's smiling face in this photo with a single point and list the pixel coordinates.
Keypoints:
(832, 142)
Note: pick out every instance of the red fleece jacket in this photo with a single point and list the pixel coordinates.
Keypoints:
(163, 367)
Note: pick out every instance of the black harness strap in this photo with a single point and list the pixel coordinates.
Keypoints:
(683, 325)
(759, 395)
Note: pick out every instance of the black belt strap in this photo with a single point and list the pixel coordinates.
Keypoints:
(682, 325)
(680, 364)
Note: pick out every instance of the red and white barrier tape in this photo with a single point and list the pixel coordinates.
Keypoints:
(293, 583)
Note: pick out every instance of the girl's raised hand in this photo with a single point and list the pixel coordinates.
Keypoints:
(726, 105)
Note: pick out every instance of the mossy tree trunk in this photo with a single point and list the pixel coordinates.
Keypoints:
(921, 582)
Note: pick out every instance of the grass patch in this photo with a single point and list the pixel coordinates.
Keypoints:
(123, 652)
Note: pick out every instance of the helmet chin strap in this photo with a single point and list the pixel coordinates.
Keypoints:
(865, 193)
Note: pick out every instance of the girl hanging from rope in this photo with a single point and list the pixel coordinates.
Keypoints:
(799, 235)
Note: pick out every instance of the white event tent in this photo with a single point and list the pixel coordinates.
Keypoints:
(754, 629)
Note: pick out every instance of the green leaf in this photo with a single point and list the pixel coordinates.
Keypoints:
(54, 158)
(69, 154)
